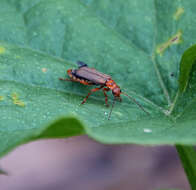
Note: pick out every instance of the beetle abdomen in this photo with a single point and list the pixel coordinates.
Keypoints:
(91, 75)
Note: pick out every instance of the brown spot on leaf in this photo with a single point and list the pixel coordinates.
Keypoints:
(178, 13)
(2, 50)
(1, 98)
(175, 39)
(16, 100)
(44, 70)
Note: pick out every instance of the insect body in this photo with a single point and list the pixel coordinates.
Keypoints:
(90, 76)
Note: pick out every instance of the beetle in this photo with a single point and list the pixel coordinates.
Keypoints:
(90, 76)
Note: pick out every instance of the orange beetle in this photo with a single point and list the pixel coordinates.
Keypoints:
(90, 76)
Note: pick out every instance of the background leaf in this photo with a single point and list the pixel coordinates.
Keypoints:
(186, 66)
(139, 43)
(188, 156)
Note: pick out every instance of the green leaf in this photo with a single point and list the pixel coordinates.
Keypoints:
(138, 43)
(186, 66)
(188, 156)
(187, 81)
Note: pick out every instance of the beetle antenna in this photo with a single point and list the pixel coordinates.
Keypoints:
(135, 101)
(114, 100)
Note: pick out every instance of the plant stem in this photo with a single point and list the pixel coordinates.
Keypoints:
(187, 155)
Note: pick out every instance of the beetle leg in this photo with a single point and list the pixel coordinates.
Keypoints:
(84, 82)
(106, 97)
(93, 90)
(76, 80)
(65, 79)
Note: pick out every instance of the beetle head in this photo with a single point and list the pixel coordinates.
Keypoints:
(116, 92)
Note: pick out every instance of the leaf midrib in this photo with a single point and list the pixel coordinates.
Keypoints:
(77, 94)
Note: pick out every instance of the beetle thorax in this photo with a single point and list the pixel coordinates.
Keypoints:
(114, 87)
